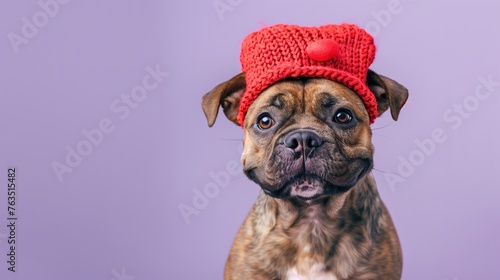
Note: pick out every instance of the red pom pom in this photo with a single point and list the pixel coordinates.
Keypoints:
(323, 50)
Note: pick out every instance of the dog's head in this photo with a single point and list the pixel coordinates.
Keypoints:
(306, 138)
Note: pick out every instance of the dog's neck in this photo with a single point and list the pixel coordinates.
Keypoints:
(316, 226)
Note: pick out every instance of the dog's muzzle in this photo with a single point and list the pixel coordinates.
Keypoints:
(306, 167)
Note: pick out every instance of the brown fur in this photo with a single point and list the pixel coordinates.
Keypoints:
(355, 240)
(347, 231)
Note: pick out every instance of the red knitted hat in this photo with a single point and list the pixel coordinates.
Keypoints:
(341, 53)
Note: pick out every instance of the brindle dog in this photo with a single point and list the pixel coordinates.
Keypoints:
(307, 144)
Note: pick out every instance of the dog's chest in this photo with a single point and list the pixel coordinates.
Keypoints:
(311, 233)
(316, 272)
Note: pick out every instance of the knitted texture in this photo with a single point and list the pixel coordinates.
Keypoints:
(341, 53)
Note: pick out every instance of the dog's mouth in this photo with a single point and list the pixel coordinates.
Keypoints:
(308, 187)
(311, 183)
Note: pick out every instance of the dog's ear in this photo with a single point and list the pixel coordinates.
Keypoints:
(227, 95)
(389, 93)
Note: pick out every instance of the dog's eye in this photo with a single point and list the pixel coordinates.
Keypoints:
(265, 122)
(342, 116)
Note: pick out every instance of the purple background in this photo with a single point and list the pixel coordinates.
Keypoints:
(119, 208)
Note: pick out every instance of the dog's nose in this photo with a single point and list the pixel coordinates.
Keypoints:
(302, 141)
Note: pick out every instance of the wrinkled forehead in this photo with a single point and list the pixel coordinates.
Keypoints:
(308, 95)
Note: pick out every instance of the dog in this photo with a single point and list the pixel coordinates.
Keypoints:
(307, 144)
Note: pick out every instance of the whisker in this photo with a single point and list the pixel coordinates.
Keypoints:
(382, 171)
(376, 128)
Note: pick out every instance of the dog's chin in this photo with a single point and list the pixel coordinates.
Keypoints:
(309, 188)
